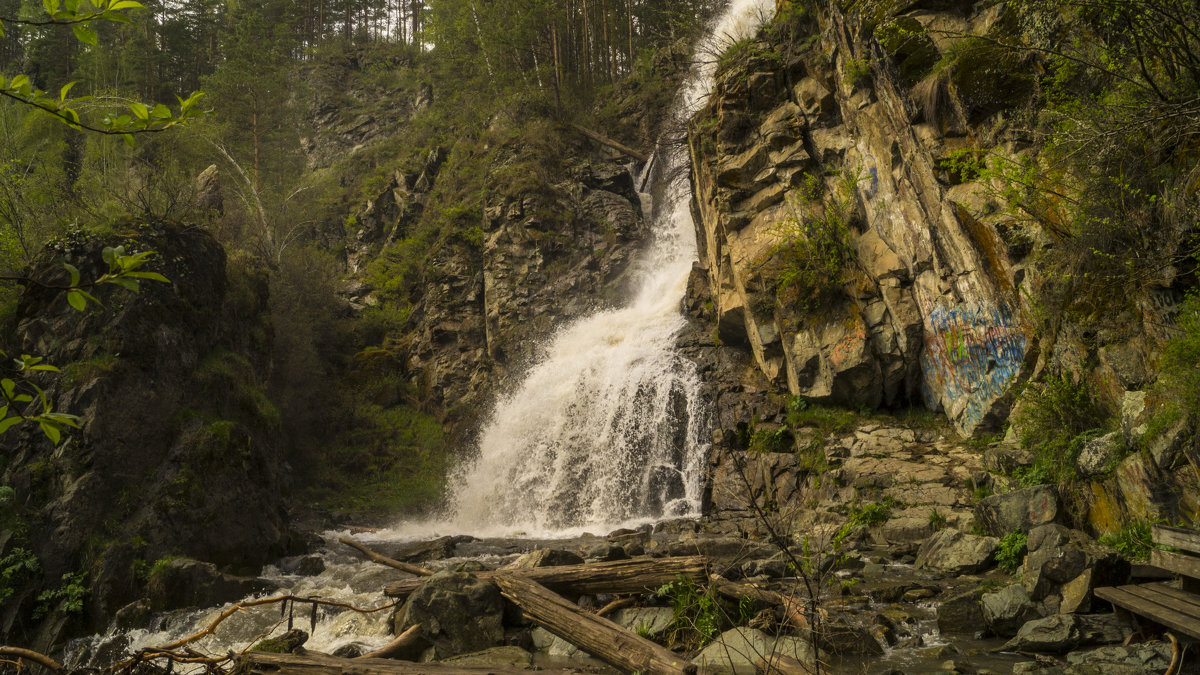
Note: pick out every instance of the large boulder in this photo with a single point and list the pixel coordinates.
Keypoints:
(1064, 632)
(1005, 611)
(1018, 510)
(960, 613)
(191, 583)
(954, 552)
(458, 613)
(1099, 455)
(1057, 555)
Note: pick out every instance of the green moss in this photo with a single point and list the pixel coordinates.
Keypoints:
(230, 379)
(82, 372)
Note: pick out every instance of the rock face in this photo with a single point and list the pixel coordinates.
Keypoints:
(953, 552)
(928, 309)
(1068, 563)
(176, 454)
(1008, 609)
(1019, 510)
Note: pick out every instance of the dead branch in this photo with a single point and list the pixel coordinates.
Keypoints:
(619, 603)
(605, 140)
(384, 560)
(29, 654)
(402, 641)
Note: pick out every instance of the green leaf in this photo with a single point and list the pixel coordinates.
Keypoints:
(46, 367)
(124, 4)
(18, 81)
(127, 284)
(85, 34)
(22, 398)
(76, 300)
(51, 6)
(8, 387)
(51, 431)
(9, 423)
(140, 111)
(66, 89)
(74, 272)
(152, 276)
(128, 138)
(161, 112)
(109, 255)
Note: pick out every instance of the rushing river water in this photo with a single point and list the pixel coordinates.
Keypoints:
(607, 430)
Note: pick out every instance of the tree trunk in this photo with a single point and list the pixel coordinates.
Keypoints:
(617, 577)
(597, 636)
(312, 663)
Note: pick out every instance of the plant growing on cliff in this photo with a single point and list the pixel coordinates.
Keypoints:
(1010, 552)
(1133, 540)
(67, 597)
(1054, 419)
(809, 264)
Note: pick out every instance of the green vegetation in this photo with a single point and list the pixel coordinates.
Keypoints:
(18, 566)
(1055, 419)
(1133, 540)
(698, 615)
(857, 71)
(82, 372)
(771, 440)
(68, 597)
(1010, 553)
(862, 516)
(937, 520)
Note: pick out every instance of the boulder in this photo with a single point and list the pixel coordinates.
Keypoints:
(841, 636)
(1146, 657)
(734, 652)
(1007, 610)
(184, 582)
(1064, 632)
(1057, 555)
(1018, 510)
(1004, 458)
(1099, 455)
(960, 613)
(646, 621)
(954, 552)
(458, 613)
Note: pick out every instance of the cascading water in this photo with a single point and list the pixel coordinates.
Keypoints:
(608, 429)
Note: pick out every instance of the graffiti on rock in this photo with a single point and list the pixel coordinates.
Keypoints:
(972, 352)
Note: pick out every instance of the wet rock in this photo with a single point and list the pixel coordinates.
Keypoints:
(458, 614)
(840, 636)
(184, 582)
(1007, 610)
(284, 644)
(495, 657)
(351, 650)
(1005, 458)
(545, 557)
(307, 566)
(960, 614)
(134, 615)
(1018, 510)
(1064, 632)
(954, 552)
(1099, 454)
(1146, 657)
(605, 552)
(552, 645)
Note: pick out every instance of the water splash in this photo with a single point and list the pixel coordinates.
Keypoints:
(608, 429)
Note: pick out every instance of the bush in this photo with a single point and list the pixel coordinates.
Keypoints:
(1133, 540)
(1010, 553)
(1056, 418)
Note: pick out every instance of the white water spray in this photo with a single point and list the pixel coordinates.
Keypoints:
(608, 429)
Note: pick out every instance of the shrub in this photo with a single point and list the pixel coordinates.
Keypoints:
(696, 610)
(1133, 540)
(1057, 417)
(1010, 553)
(857, 71)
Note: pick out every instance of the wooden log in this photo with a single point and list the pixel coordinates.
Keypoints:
(605, 140)
(404, 641)
(596, 635)
(313, 663)
(30, 655)
(384, 560)
(615, 577)
(792, 607)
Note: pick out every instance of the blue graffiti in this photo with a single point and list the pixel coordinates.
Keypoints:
(972, 353)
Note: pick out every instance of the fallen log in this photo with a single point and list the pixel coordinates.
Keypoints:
(404, 641)
(312, 663)
(384, 560)
(615, 577)
(595, 635)
(792, 607)
(605, 140)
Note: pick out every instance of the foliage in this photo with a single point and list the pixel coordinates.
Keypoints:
(17, 566)
(937, 519)
(696, 609)
(862, 516)
(1011, 551)
(771, 440)
(1055, 419)
(1133, 540)
(802, 413)
(68, 597)
(1180, 378)
(857, 71)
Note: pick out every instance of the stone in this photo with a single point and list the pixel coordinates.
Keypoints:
(953, 552)
(1145, 657)
(284, 644)
(184, 582)
(1077, 594)
(458, 613)
(1064, 632)
(1057, 555)
(495, 657)
(646, 621)
(1004, 458)
(1021, 510)
(1133, 417)
(545, 557)
(1099, 455)
(960, 614)
(840, 636)
(1165, 447)
(553, 645)
(1007, 610)
(734, 652)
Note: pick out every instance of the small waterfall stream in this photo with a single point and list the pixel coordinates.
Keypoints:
(608, 430)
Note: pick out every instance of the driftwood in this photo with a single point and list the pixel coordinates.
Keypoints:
(384, 560)
(615, 577)
(30, 655)
(402, 642)
(619, 603)
(312, 663)
(605, 140)
(792, 607)
(597, 636)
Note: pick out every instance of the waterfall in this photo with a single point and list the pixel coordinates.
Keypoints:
(608, 429)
